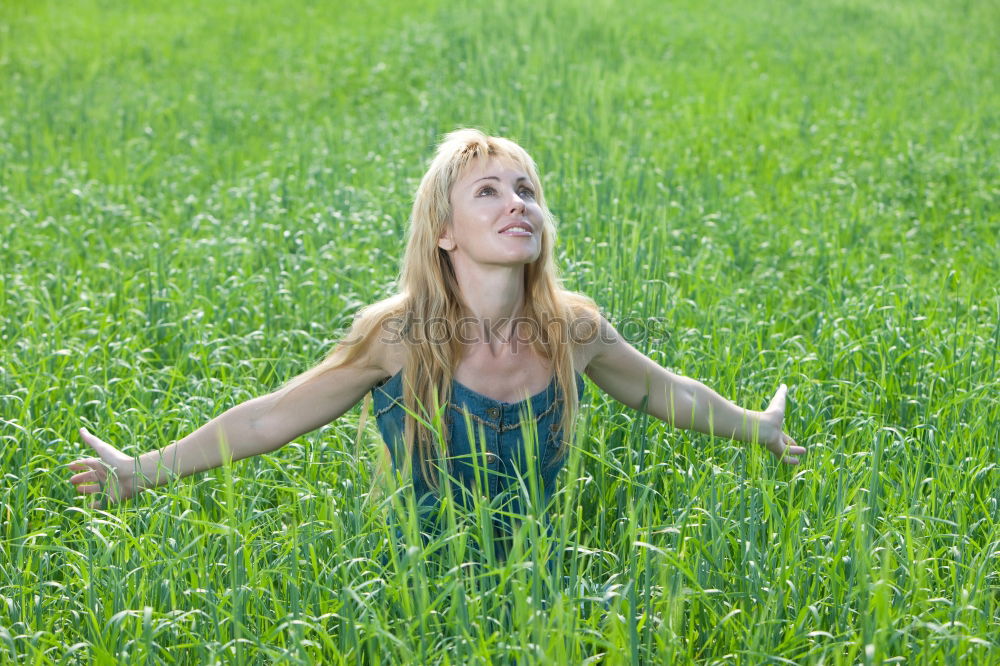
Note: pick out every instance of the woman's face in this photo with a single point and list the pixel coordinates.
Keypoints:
(495, 219)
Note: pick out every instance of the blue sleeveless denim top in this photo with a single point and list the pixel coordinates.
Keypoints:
(499, 465)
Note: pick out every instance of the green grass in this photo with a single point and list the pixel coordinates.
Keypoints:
(194, 200)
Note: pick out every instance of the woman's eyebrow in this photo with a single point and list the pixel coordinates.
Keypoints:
(496, 178)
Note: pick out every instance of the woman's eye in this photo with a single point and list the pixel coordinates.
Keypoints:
(487, 191)
(527, 192)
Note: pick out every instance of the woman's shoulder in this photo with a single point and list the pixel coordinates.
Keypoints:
(375, 328)
(584, 326)
(390, 355)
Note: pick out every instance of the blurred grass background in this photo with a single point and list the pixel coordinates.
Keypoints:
(196, 197)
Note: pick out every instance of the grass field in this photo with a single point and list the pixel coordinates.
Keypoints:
(196, 197)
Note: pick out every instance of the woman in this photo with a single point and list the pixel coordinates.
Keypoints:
(474, 366)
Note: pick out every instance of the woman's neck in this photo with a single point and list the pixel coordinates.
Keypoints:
(494, 299)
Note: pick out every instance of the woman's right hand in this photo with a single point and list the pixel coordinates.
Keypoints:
(113, 472)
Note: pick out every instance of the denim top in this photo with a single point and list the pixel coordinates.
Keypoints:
(508, 459)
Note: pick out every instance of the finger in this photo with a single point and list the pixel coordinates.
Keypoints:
(792, 447)
(787, 457)
(88, 489)
(786, 454)
(88, 437)
(778, 401)
(103, 448)
(81, 465)
(90, 476)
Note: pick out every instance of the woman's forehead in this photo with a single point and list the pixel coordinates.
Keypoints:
(505, 167)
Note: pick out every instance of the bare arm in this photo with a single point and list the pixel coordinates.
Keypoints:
(639, 382)
(256, 426)
(263, 424)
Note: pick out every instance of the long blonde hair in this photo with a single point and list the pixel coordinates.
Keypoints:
(429, 292)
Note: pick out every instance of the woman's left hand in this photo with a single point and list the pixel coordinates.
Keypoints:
(772, 436)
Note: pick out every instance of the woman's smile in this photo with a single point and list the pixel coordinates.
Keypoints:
(522, 228)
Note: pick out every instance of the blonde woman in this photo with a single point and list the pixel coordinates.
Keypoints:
(474, 366)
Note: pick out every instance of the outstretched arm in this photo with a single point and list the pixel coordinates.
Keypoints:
(256, 426)
(639, 382)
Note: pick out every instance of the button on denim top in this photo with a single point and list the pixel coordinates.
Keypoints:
(502, 462)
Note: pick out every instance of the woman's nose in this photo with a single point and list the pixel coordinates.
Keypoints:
(516, 203)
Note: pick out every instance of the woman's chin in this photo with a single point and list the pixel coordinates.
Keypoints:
(523, 256)
(524, 260)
